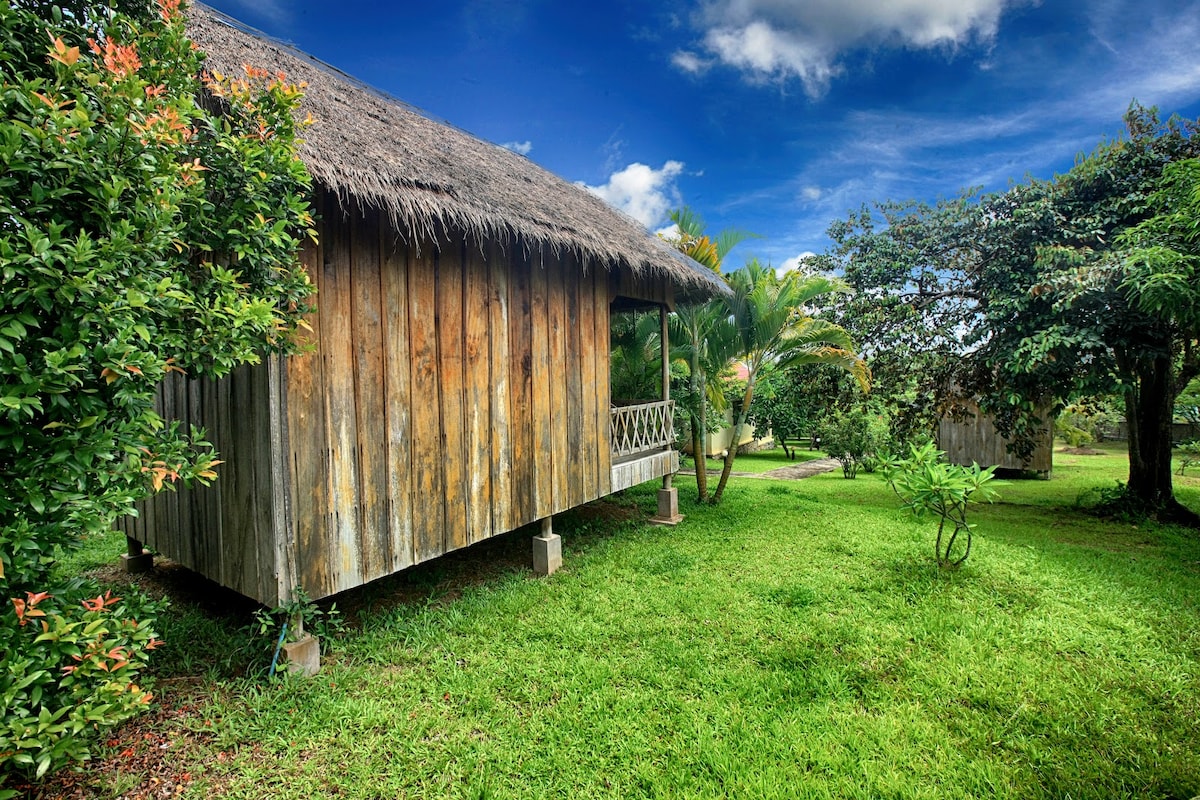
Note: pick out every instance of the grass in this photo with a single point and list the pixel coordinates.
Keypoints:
(796, 641)
(760, 461)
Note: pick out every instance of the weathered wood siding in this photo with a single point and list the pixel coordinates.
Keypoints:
(452, 391)
(458, 391)
(233, 531)
(974, 439)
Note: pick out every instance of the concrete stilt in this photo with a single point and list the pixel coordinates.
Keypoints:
(302, 655)
(668, 505)
(547, 550)
(136, 559)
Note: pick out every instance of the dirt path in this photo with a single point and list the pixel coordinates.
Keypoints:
(805, 470)
(793, 472)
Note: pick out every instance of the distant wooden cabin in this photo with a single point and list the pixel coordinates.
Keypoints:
(971, 437)
(458, 384)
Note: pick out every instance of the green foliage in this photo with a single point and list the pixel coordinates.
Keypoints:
(141, 234)
(68, 670)
(1073, 435)
(1187, 404)
(635, 362)
(1080, 286)
(774, 327)
(856, 438)
(300, 609)
(1189, 455)
(791, 402)
(926, 485)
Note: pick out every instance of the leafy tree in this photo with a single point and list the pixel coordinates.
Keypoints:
(703, 336)
(926, 485)
(140, 234)
(914, 308)
(635, 361)
(1052, 291)
(1090, 309)
(792, 402)
(774, 327)
(856, 438)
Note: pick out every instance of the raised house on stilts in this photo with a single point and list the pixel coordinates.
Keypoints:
(457, 385)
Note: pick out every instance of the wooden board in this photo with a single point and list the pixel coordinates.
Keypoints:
(592, 438)
(501, 453)
(428, 479)
(397, 382)
(337, 355)
(520, 400)
(541, 377)
(559, 366)
(477, 369)
(602, 357)
(450, 333)
(308, 450)
(572, 367)
(366, 313)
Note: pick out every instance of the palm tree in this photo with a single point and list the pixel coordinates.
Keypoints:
(705, 338)
(774, 327)
(693, 242)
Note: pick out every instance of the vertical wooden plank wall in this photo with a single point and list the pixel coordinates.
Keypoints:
(478, 401)
(224, 531)
(453, 391)
(494, 387)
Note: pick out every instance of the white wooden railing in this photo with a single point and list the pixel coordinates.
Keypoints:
(642, 428)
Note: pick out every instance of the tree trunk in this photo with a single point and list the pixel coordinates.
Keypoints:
(731, 454)
(1149, 407)
(700, 433)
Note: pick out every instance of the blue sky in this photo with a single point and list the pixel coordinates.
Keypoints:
(774, 116)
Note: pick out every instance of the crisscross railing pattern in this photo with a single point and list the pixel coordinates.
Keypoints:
(642, 427)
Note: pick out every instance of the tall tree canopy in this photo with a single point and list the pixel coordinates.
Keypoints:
(1050, 291)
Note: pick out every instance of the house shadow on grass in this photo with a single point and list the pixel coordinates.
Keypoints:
(211, 631)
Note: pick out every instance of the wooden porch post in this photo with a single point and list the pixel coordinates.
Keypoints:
(668, 495)
(665, 342)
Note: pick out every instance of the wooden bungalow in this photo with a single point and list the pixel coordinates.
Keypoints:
(458, 382)
(968, 436)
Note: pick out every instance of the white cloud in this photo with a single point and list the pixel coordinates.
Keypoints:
(783, 39)
(670, 233)
(642, 192)
(793, 263)
(689, 62)
(811, 193)
(520, 148)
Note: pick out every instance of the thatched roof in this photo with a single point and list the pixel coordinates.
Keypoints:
(426, 175)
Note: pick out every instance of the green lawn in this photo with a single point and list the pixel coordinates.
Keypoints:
(760, 461)
(795, 642)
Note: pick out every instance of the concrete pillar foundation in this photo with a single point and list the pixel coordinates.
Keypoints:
(547, 550)
(136, 559)
(668, 508)
(303, 657)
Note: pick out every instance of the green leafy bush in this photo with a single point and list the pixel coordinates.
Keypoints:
(140, 234)
(855, 438)
(69, 670)
(927, 485)
(1189, 455)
